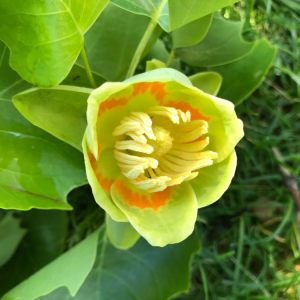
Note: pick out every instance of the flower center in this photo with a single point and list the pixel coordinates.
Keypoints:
(161, 148)
(163, 142)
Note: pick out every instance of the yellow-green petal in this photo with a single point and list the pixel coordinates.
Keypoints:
(121, 234)
(162, 218)
(213, 181)
(101, 197)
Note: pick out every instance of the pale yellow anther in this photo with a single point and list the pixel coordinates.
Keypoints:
(126, 127)
(194, 156)
(138, 138)
(134, 146)
(191, 147)
(182, 115)
(169, 151)
(143, 117)
(190, 136)
(190, 126)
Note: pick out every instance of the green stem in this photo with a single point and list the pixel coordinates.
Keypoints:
(171, 56)
(140, 49)
(87, 68)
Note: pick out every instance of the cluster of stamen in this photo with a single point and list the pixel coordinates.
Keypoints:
(161, 148)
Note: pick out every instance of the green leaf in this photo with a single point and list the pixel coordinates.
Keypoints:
(60, 110)
(121, 234)
(45, 37)
(43, 242)
(208, 82)
(11, 235)
(191, 33)
(242, 77)
(154, 64)
(155, 9)
(38, 169)
(173, 14)
(78, 77)
(142, 272)
(185, 11)
(70, 270)
(222, 44)
(111, 42)
(159, 52)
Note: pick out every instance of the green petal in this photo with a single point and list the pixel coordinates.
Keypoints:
(121, 234)
(213, 181)
(101, 197)
(162, 218)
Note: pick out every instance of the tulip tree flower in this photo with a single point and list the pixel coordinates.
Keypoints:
(157, 149)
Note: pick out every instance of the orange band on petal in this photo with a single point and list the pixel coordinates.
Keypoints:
(185, 106)
(111, 103)
(105, 182)
(157, 89)
(142, 200)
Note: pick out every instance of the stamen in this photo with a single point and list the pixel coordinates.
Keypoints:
(191, 126)
(190, 136)
(174, 162)
(194, 156)
(134, 146)
(192, 147)
(137, 138)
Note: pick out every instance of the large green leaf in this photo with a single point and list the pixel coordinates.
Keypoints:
(222, 44)
(185, 11)
(155, 9)
(142, 272)
(11, 235)
(191, 33)
(173, 14)
(112, 40)
(60, 110)
(45, 37)
(242, 77)
(43, 242)
(70, 270)
(37, 170)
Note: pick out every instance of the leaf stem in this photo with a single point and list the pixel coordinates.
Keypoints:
(141, 47)
(87, 68)
(171, 56)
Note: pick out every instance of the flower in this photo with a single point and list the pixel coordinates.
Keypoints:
(157, 149)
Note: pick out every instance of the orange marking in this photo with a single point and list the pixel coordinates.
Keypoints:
(185, 106)
(105, 182)
(157, 89)
(111, 103)
(153, 200)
